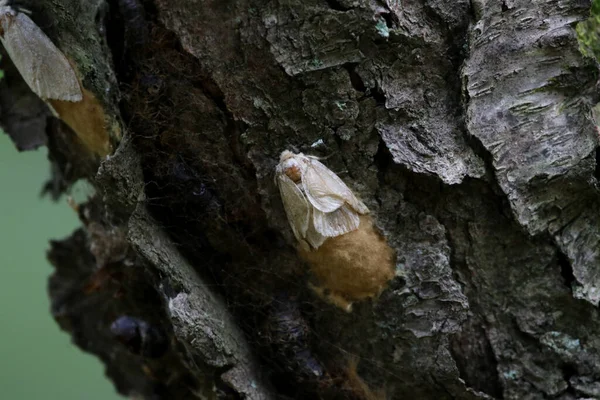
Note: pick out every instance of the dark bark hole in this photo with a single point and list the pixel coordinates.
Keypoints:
(475, 359)
(568, 372)
(336, 5)
(115, 35)
(504, 7)
(383, 160)
(566, 271)
(359, 85)
(378, 95)
(389, 20)
(355, 79)
(127, 34)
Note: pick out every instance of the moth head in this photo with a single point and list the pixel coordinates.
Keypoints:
(285, 155)
(7, 14)
(290, 165)
(7, 8)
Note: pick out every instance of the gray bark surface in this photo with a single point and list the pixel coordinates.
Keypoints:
(465, 128)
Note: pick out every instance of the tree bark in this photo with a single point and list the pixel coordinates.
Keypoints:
(464, 126)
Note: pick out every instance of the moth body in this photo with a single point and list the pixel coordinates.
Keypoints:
(317, 202)
(42, 65)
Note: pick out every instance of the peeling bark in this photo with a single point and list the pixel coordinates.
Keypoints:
(463, 126)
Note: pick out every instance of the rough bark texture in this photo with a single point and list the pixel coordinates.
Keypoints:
(464, 127)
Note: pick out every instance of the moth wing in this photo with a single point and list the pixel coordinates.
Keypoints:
(326, 191)
(336, 223)
(313, 237)
(42, 65)
(295, 204)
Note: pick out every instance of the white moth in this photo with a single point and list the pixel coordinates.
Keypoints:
(41, 64)
(317, 202)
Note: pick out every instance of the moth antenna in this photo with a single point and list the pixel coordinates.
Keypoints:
(321, 158)
(294, 149)
(17, 7)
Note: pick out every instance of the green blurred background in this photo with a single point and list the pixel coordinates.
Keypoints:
(37, 359)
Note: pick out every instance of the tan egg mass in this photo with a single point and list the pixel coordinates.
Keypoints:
(351, 267)
(87, 119)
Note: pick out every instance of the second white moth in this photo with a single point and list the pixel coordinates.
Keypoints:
(317, 202)
(42, 65)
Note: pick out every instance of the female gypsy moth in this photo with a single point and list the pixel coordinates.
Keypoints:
(356, 262)
(317, 203)
(41, 64)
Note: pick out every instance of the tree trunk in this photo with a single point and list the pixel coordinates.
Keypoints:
(463, 126)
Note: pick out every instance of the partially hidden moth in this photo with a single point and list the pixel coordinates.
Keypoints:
(317, 202)
(42, 65)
